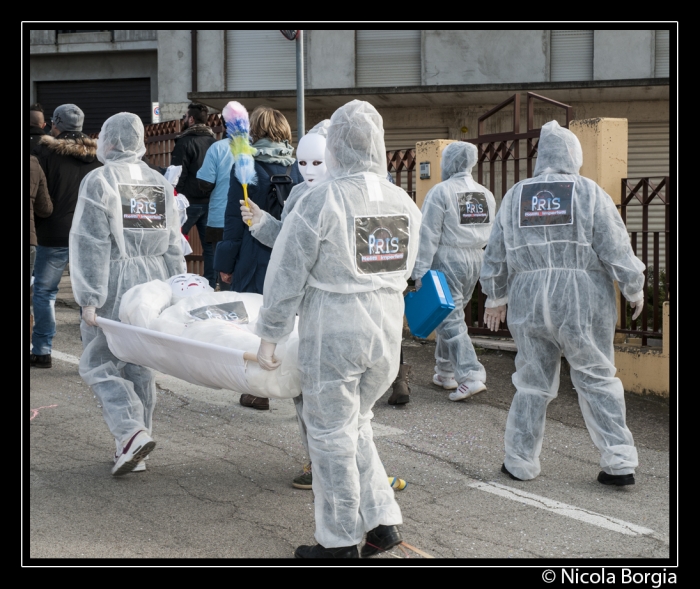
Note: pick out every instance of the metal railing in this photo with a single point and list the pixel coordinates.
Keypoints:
(400, 162)
(651, 249)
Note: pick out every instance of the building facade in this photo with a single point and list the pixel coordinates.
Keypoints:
(427, 84)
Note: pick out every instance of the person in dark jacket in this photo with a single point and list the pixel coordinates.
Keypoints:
(240, 258)
(66, 156)
(189, 152)
(37, 128)
(39, 204)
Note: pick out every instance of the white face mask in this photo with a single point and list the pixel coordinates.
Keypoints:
(311, 157)
(187, 285)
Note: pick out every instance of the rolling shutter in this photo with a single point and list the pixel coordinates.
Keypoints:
(661, 53)
(571, 56)
(261, 60)
(98, 99)
(647, 156)
(387, 58)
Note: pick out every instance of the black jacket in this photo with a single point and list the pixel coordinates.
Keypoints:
(66, 160)
(189, 152)
(35, 133)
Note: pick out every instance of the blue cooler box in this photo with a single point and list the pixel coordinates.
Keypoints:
(426, 308)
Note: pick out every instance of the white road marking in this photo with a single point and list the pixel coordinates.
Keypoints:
(65, 357)
(589, 517)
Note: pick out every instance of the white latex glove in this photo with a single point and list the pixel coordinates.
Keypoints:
(89, 316)
(252, 213)
(637, 306)
(418, 282)
(493, 317)
(266, 356)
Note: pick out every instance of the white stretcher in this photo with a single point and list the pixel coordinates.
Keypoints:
(207, 365)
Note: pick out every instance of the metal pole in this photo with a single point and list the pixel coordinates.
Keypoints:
(300, 86)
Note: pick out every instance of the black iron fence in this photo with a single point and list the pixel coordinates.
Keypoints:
(650, 241)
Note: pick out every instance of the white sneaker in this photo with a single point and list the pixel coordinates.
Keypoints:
(446, 382)
(140, 467)
(467, 389)
(135, 451)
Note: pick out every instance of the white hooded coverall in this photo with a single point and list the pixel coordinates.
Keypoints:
(342, 260)
(557, 247)
(125, 231)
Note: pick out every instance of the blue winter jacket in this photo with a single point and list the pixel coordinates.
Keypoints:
(239, 253)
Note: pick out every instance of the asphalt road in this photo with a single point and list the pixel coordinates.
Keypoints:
(218, 484)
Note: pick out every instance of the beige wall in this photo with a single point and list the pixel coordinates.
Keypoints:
(431, 152)
(604, 145)
(646, 371)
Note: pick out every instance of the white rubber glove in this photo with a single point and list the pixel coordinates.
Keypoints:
(89, 316)
(493, 316)
(252, 214)
(418, 282)
(637, 306)
(266, 356)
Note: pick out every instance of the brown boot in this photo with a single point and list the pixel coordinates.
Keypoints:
(262, 403)
(401, 390)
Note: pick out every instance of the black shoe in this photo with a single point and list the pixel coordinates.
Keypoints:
(319, 551)
(615, 479)
(504, 470)
(380, 539)
(41, 361)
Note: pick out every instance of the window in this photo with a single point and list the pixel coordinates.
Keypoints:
(388, 58)
(571, 56)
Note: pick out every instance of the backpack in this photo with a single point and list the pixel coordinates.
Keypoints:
(280, 187)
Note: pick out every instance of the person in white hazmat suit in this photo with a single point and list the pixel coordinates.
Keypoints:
(556, 249)
(125, 232)
(342, 260)
(458, 216)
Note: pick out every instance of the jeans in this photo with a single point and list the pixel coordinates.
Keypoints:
(32, 257)
(48, 269)
(197, 215)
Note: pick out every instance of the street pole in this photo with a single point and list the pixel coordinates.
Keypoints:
(300, 86)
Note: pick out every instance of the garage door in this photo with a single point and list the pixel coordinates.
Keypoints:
(261, 60)
(648, 157)
(98, 99)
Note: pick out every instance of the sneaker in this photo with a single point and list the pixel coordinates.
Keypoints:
(303, 481)
(136, 449)
(446, 382)
(467, 389)
(140, 467)
(618, 480)
(381, 539)
(397, 484)
(40, 361)
(504, 470)
(319, 551)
